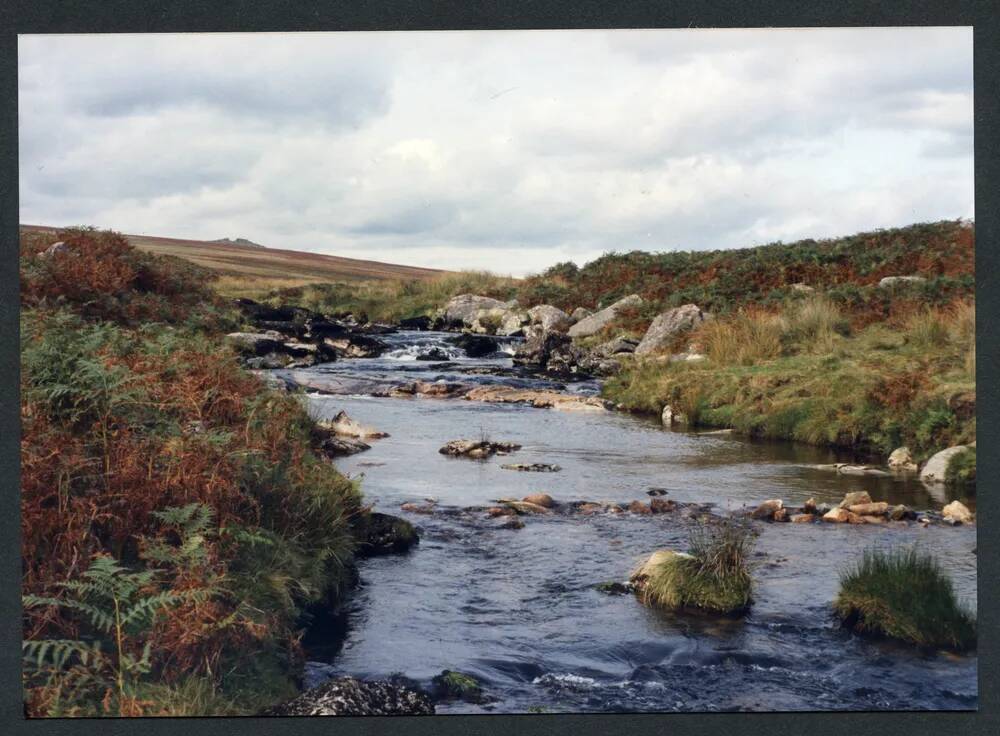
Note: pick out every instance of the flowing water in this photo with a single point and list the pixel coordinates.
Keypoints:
(518, 609)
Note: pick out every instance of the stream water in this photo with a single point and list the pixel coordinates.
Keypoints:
(518, 609)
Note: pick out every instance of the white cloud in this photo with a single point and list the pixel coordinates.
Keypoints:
(501, 150)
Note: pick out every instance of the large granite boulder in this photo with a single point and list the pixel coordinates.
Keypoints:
(936, 469)
(668, 325)
(599, 320)
(461, 310)
(550, 318)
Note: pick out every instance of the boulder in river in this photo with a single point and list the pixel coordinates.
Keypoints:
(803, 518)
(539, 348)
(383, 534)
(936, 469)
(506, 321)
(422, 323)
(550, 318)
(957, 512)
(475, 346)
(596, 322)
(256, 343)
(347, 696)
(675, 580)
(662, 505)
(343, 425)
(452, 685)
(532, 467)
(332, 445)
(665, 327)
(478, 449)
(901, 460)
(356, 346)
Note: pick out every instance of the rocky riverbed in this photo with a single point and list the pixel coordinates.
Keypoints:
(511, 590)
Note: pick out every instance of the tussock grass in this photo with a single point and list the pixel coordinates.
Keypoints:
(714, 575)
(904, 594)
(744, 339)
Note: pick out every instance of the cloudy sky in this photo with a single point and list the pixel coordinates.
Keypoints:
(502, 150)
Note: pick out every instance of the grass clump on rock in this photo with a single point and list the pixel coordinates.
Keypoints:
(904, 594)
(714, 575)
(452, 685)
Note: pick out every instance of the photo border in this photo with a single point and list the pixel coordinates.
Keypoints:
(119, 16)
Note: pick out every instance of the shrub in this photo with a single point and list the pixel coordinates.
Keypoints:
(100, 276)
(904, 594)
(714, 575)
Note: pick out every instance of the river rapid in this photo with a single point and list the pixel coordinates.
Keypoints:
(518, 609)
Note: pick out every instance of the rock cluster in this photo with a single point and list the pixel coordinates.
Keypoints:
(347, 696)
(857, 507)
(478, 449)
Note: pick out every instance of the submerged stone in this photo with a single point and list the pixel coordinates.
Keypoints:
(347, 696)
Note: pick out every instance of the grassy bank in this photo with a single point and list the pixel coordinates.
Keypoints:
(391, 300)
(176, 520)
(805, 373)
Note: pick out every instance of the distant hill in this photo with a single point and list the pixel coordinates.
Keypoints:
(247, 266)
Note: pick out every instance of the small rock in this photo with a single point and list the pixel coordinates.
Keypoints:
(512, 522)
(382, 534)
(781, 515)
(841, 516)
(588, 508)
(540, 499)
(638, 507)
(869, 509)
(854, 498)
(669, 416)
(958, 512)
(901, 512)
(54, 249)
(767, 510)
(868, 519)
(803, 519)
(415, 508)
(477, 448)
(532, 467)
(898, 280)
(495, 511)
(657, 492)
(614, 588)
(809, 507)
(661, 505)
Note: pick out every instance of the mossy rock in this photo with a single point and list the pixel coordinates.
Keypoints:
(904, 594)
(383, 534)
(453, 685)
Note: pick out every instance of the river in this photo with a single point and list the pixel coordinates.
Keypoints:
(518, 608)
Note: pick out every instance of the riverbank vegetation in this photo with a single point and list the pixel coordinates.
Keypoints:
(805, 373)
(904, 594)
(176, 518)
